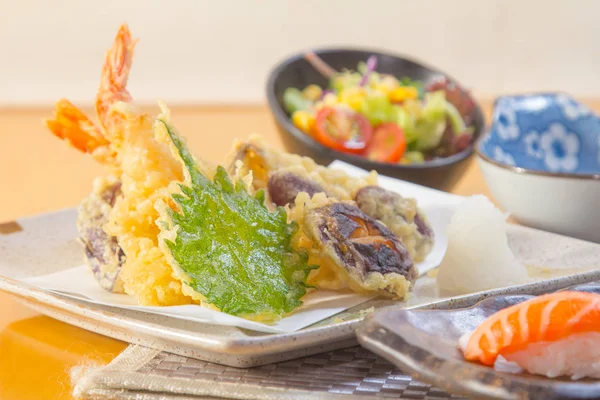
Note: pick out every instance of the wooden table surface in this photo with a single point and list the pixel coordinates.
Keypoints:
(38, 174)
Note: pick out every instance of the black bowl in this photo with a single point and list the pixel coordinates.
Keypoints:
(297, 72)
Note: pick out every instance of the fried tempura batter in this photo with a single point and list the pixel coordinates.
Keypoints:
(124, 141)
(361, 236)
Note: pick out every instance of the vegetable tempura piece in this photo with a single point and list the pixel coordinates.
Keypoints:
(400, 215)
(227, 248)
(352, 249)
(102, 251)
(283, 176)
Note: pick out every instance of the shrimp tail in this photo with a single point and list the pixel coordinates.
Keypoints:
(115, 74)
(73, 126)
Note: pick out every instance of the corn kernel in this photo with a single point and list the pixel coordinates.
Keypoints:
(353, 98)
(312, 92)
(304, 121)
(356, 103)
(403, 93)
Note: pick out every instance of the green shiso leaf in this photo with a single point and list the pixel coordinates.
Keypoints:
(235, 251)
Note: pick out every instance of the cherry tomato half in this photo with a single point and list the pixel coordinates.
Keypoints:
(342, 130)
(388, 143)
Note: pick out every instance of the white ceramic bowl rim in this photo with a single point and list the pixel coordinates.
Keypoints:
(524, 171)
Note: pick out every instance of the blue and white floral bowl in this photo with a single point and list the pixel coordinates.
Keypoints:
(541, 161)
(544, 132)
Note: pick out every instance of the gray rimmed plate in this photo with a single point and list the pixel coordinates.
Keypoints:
(424, 344)
(47, 243)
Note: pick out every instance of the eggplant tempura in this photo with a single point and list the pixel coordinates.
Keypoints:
(285, 175)
(168, 229)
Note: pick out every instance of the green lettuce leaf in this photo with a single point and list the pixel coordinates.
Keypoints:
(294, 100)
(430, 127)
(378, 109)
(458, 124)
(236, 252)
(407, 117)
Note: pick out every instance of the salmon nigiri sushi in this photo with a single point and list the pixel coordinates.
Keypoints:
(554, 335)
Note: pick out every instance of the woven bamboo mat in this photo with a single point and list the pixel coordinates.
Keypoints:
(144, 374)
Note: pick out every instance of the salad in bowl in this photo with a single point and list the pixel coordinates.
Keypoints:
(381, 117)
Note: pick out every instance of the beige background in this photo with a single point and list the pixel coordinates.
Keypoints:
(207, 51)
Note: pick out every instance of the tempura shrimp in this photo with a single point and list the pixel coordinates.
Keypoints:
(120, 235)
